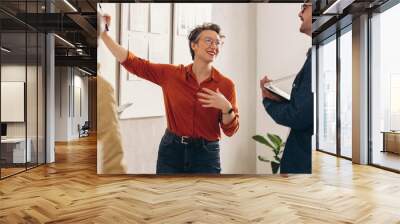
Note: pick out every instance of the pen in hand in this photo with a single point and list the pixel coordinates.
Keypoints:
(103, 14)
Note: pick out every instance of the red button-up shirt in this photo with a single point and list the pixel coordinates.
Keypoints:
(185, 114)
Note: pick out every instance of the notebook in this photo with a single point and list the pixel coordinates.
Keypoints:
(277, 91)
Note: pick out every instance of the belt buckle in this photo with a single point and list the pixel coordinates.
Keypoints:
(184, 140)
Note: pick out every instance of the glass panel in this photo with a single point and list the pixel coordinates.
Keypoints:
(13, 86)
(385, 84)
(32, 87)
(23, 87)
(394, 101)
(346, 94)
(327, 97)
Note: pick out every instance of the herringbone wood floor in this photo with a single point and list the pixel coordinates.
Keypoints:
(69, 191)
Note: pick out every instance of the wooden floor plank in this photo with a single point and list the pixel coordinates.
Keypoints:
(70, 191)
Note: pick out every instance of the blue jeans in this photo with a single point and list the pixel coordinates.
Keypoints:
(201, 157)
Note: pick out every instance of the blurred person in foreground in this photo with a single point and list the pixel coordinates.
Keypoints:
(109, 141)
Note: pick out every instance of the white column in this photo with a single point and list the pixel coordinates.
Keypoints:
(50, 99)
(360, 90)
(50, 92)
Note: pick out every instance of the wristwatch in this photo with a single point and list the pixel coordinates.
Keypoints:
(229, 111)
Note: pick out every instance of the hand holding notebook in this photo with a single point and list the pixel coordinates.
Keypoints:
(276, 90)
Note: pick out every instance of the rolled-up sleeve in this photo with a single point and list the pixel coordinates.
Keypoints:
(152, 72)
(232, 127)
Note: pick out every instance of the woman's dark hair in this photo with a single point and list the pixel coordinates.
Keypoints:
(195, 33)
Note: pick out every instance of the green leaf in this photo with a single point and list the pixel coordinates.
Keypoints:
(263, 159)
(262, 140)
(279, 138)
(276, 140)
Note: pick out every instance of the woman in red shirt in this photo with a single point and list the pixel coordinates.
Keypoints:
(199, 101)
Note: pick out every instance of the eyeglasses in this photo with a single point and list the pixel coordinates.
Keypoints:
(210, 42)
(304, 6)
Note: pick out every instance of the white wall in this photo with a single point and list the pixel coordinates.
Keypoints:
(108, 64)
(66, 121)
(237, 60)
(80, 102)
(16, 73)
(61, 104)
(34, 124)
(281, 51)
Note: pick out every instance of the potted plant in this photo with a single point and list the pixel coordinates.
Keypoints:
(275, 143)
